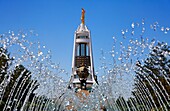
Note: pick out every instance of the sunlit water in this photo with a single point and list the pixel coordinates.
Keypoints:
(122, 84)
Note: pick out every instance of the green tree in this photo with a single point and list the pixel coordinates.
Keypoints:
(20, 84)
(4, 63)
(152, 77)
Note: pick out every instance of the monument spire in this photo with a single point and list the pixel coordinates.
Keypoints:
(82, 16)
(83, 76)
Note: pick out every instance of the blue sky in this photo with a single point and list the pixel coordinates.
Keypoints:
(56, 21)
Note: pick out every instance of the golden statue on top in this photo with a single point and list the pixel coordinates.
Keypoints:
(82, 16)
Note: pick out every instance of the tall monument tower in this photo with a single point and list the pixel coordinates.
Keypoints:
(83, 76)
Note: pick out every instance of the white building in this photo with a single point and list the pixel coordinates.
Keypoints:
(82, 55)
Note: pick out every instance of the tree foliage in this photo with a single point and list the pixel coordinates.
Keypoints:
(17, 86)
(4, 63)
(152, 78)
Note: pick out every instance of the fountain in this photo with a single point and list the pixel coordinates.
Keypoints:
(26, 69)
(137, 76)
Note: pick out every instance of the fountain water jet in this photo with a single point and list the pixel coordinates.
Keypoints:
(126, 83)
(25, 72)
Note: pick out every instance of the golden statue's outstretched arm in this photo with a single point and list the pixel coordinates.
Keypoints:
(82, 16)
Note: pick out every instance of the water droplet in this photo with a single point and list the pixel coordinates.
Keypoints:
(23, 35)
(130, 48)
(137, 24)
(42, 59)
(151, 26)
(143, 21)
(123, 32)
(61, 80)
(162, 28)
(119, 58)
(143, 29)
(4, 46)
(8, 107)
(133, 32)
(133, 25)
(40, 53)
